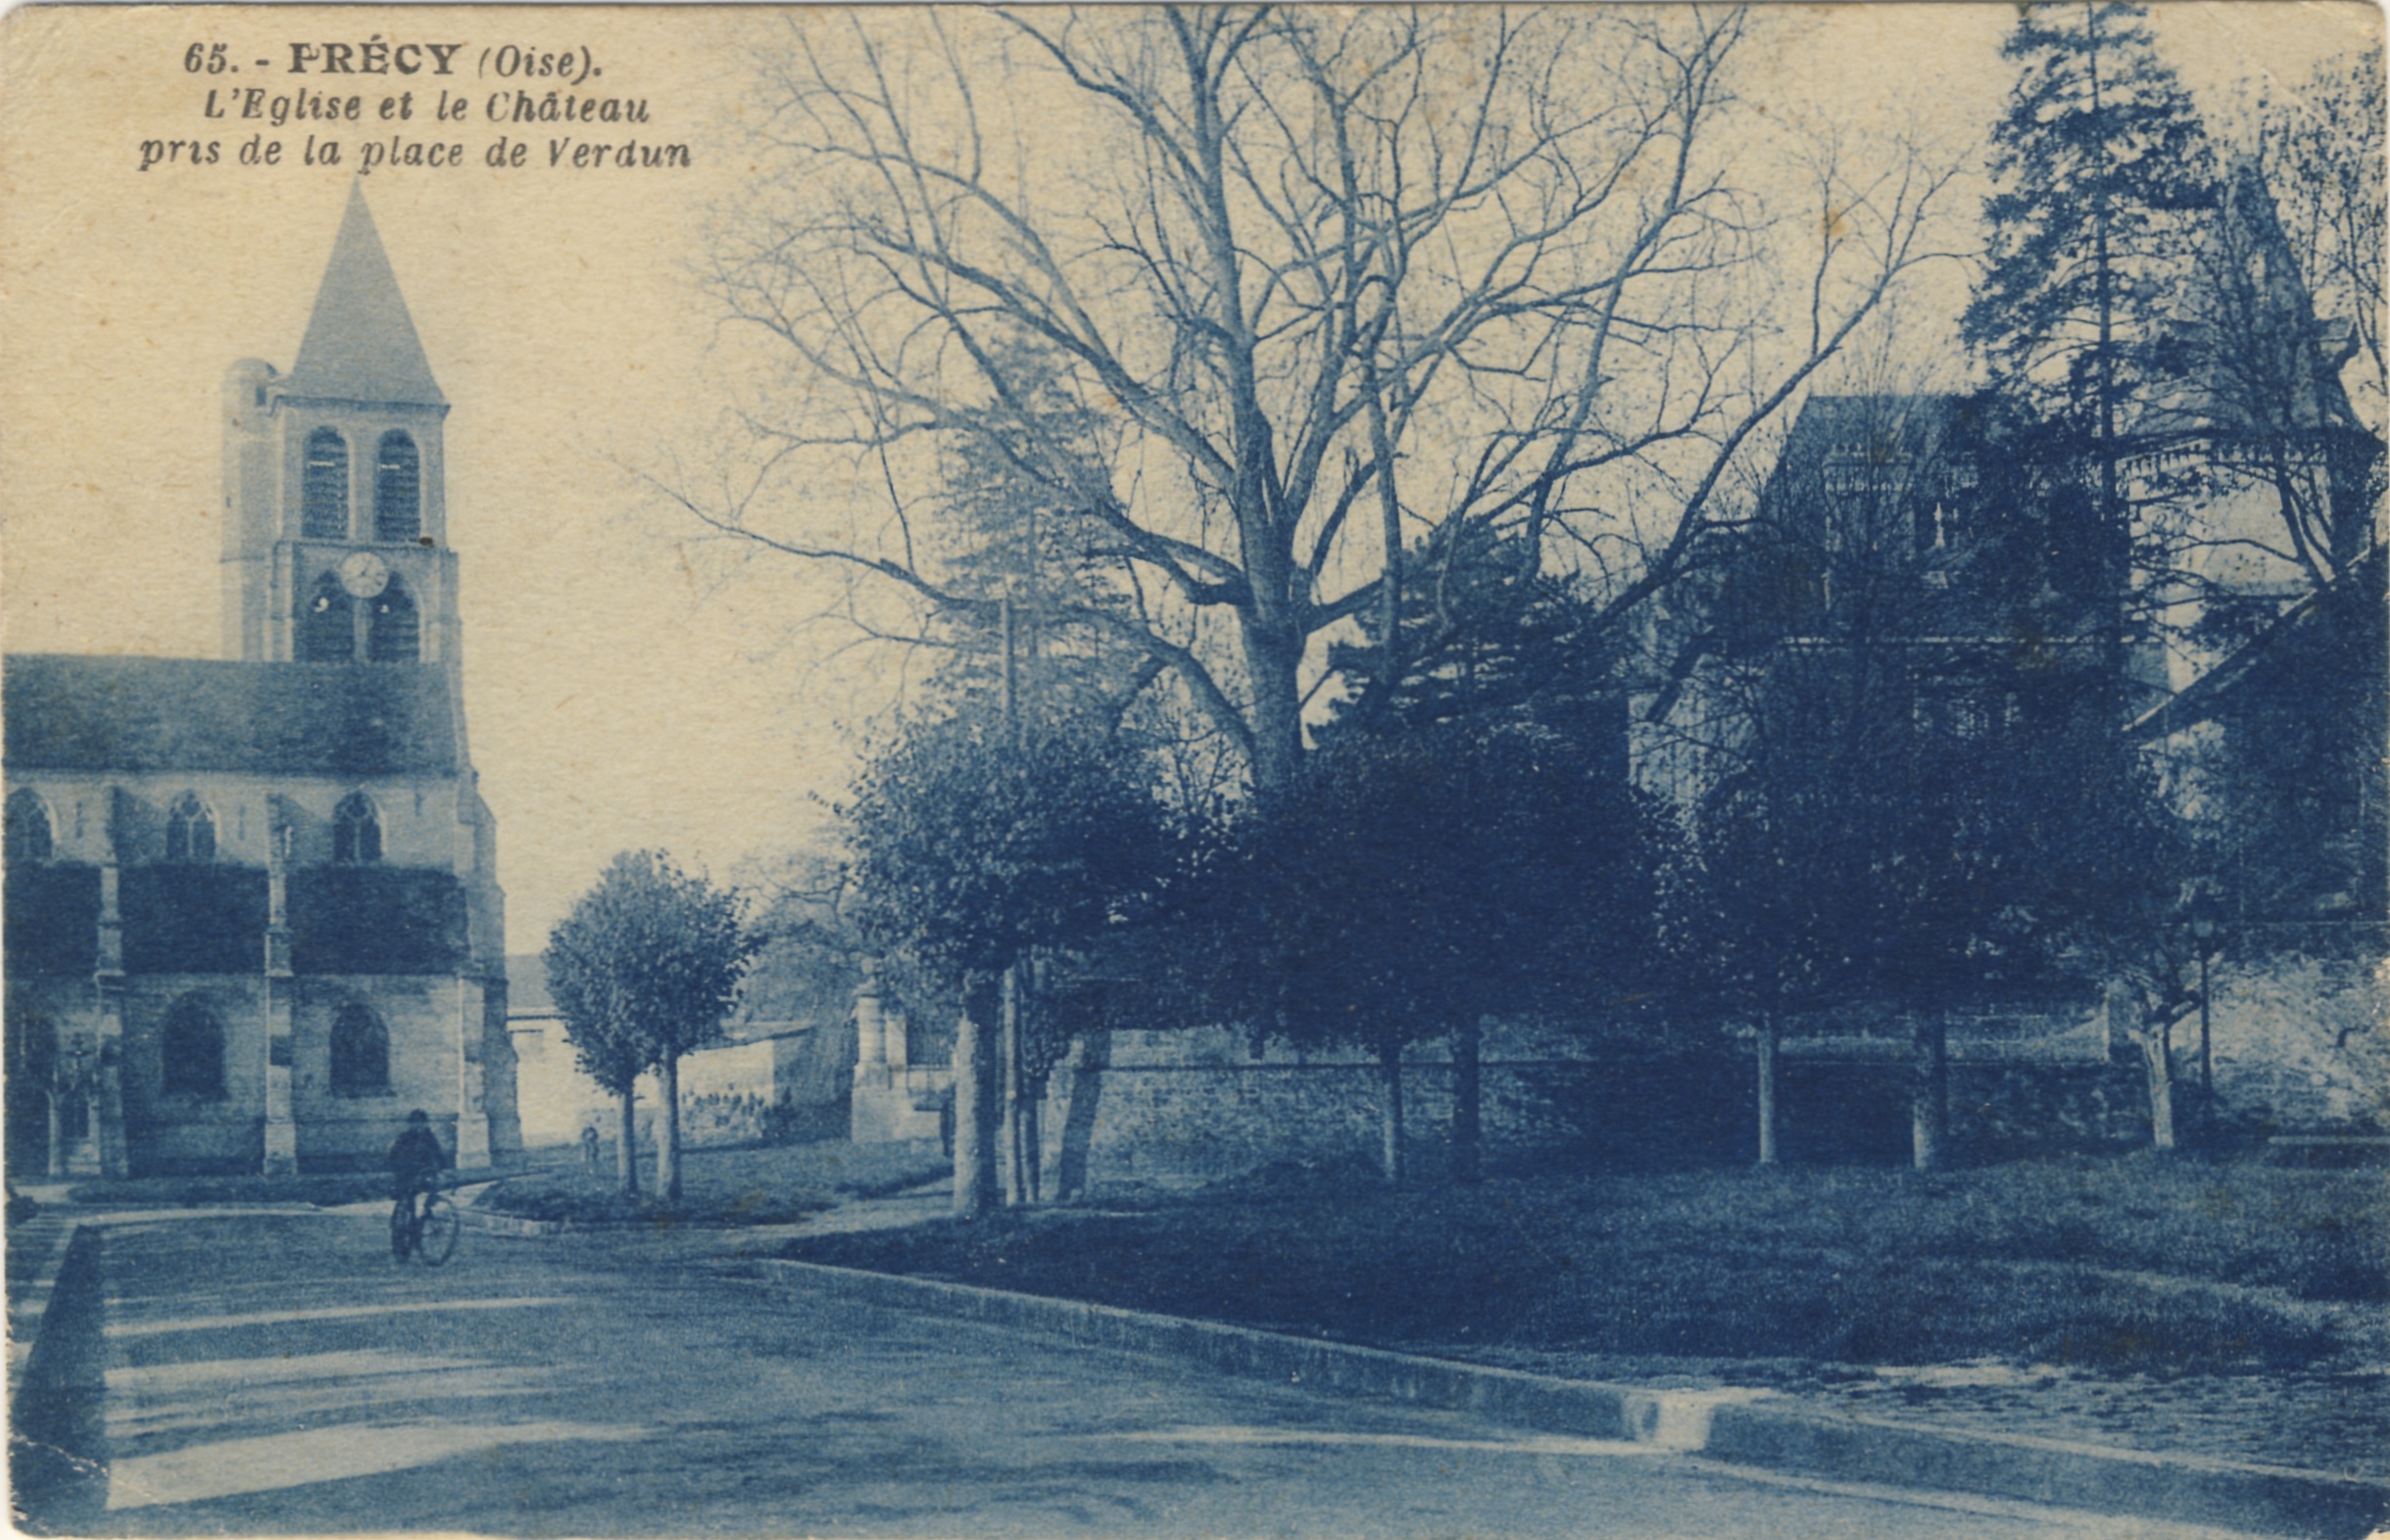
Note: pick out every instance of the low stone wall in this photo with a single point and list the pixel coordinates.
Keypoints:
(1180, 1108)
(724, 1118)
(2301, 1038)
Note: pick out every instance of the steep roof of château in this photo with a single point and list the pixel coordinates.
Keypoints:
(138, 714)
(361, 343)
(1887, 424)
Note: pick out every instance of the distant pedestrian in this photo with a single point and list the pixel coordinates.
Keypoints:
(589, 1147)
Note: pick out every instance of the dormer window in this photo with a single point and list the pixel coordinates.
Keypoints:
(190, 830)
(356, 830)
(398, 489)
(324, 487)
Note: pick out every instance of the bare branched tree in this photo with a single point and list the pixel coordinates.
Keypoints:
(1325, 277)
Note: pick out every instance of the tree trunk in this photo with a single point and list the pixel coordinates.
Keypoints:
(668, 1137)
(1468, 1109)
(1079, 1127)
(1033, 1143)
(1014, 1179)
(974, 1106)
(1767, 1092)
(1273, 667)
(1390, 1064)
(626, 1154)
(1930, 1101)
(2158, 1057)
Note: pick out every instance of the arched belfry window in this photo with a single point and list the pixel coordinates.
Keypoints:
(398, 489)
(190, 830)
(191, 1051)
(324, 487)
(393, 632)
(361, 1053)
(30, 835)
(327, 625)
(356, 830)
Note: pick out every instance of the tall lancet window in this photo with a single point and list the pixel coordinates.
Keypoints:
(327, 625)
(398, 489)
(190, 830)
(324, 487)
(393, 632)
(356, 832)
(361, 1053)
(191, 1051)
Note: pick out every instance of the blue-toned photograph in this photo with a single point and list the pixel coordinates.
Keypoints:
(1610, 770)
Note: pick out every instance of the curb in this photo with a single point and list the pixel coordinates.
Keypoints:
(510, 1224)
(58, 1470)
(530, 1228)
(1725, 1426)
(2272, 1500)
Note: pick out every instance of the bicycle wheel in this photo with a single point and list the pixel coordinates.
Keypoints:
(438, 1238)
(402, 1229)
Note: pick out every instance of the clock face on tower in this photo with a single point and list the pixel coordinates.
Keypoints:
(365, 575)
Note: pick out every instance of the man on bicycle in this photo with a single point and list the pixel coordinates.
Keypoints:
(415, 1161)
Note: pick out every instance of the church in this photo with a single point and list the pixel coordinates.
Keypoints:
(252, 909)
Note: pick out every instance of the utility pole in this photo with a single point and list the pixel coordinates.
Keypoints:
(1015, 1182)
(1767, 1090)
(1012, 704)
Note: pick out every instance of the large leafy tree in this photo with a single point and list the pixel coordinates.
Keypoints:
(644, 968)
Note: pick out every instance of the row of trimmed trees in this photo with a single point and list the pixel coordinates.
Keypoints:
(1422, 876)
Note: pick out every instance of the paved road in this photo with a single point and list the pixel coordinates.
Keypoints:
(275, 1373)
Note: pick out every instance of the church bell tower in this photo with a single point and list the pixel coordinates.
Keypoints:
(335, 512)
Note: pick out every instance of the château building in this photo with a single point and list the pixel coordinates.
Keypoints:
(253, 915)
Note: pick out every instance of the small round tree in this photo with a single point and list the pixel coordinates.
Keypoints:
(643, 970)
(1416, 883)
(971, 852)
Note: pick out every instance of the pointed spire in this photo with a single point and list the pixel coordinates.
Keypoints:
(361, 343)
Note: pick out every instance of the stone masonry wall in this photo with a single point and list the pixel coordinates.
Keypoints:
(2300, 1042)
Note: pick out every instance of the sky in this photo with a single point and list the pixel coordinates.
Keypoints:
(627, 683)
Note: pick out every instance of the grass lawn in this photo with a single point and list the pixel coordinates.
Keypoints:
(2128, 1264)
(755, 1185)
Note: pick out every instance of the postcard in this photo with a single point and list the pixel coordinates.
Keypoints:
(1325, 770)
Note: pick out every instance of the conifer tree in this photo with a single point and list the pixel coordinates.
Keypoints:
(2102, 167)
(2102, 170)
